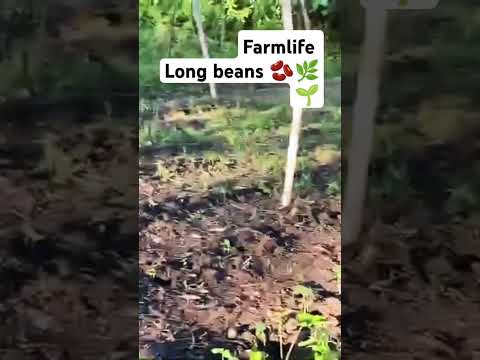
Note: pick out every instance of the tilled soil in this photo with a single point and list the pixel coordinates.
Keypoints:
(212, 268)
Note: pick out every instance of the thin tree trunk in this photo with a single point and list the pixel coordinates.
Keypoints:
(296, 126)
(363, 122)
(197, 15)
(173, 21)
(293, 145)
(287, 14)
(306, 19)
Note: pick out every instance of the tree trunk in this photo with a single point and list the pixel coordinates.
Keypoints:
(294, 141)
(296, 126)
(363, 122)
(173, 21)
(306, 19)
(197, 15)
(287, 14)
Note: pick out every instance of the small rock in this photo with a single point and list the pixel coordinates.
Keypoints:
(291, 326)
(231, 333)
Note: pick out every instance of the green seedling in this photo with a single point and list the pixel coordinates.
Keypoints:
(224, 353)
(226, 246)
(257, 355)
(306, 294)
(280, 319)
(308, 70)
(260, 333)
(319, 340)
(311, 321)
(308, 93)
(151, 272)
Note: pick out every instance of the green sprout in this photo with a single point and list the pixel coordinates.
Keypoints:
(312, 90)
(226, 246)
(306, 294)
(260, 333)
(224, 353)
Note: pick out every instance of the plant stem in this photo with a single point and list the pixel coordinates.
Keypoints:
(309, 102)
(280, 337)
(292, 345)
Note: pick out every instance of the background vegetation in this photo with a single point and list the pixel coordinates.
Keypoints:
(255, 133)
(167, 29)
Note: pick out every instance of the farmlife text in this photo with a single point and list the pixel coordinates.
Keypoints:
(293, 57)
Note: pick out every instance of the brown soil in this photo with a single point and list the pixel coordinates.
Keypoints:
(212, 267)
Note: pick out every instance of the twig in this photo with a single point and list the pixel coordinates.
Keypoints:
(292, 345)
(280, 338)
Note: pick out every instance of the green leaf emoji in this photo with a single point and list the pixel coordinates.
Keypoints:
(302, 92)
(312, 64)
(307, 70)
(300, 69)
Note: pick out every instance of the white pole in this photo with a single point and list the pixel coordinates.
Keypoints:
(295, 130)
(363, 121)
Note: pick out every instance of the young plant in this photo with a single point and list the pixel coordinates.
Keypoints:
(319, 340)
(256, 354)
(226, 247)
(260, 333)
(306, 294)
(280, 319)
(224, 353)
(151, 272)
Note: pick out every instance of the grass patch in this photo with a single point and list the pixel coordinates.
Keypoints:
(256, 139)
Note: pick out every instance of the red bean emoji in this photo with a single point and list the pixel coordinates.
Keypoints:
(277, 66)
(287, 70)
(279, 77)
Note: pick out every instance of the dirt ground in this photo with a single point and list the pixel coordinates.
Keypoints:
(212, 267)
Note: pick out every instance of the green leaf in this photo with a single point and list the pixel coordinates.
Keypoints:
(302, 92)
(312, 70)
(257, 355)
(305, 65)
(304, 291)
(312, 64)
(307, 320)
(313, 89)
(260, 332)
(300, 69)
(312, 77)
